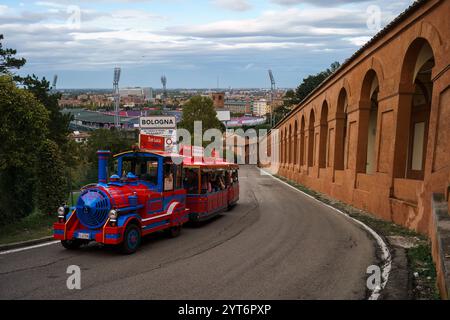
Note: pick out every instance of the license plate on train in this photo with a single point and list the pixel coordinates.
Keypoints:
(81, 235)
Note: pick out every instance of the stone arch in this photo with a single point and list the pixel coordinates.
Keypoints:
(377, 67)
(285, 146)
(281, 146)
(432, 36)
(295, 142)
(346, 86)
(302, 140)
(414, 107)
(368, 122)
(289, 145)
(311, 142)
(323, 135)
(341, 129)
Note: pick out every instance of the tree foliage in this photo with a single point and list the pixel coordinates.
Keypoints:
(34, 149)
(200, 108)
(8, 61)
(102, 139)
(59, 123)
(313, 81)
(307, 86)
(16, 193)
(51, 184)
(106, 139)
(24, 127)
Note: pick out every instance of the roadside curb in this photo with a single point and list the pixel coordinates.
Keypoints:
(386, 257)
(15, 245)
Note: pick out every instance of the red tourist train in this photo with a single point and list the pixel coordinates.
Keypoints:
(151, 191)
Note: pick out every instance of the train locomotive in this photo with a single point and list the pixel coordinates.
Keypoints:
(151, 191)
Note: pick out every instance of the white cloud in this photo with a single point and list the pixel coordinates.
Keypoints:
(234, 5)
(288, 36)
(358, 41)
(317, 2)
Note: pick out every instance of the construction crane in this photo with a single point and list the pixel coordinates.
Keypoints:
(116, 96)
(272, 91)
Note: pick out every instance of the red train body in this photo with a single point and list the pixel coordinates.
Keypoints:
(152, 194)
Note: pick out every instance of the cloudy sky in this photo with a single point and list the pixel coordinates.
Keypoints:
(192, 42)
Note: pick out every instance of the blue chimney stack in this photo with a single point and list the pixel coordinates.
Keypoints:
(103, 156)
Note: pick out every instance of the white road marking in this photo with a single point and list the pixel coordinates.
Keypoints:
(386, 255)
(169, 212)
(28, 248)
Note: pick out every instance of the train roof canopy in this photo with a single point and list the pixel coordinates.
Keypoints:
(188, 161)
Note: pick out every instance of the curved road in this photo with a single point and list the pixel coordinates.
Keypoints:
(275, 244)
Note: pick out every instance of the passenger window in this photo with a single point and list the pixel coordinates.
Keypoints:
(168, 177)
(151, 172)
(178, 176)
(191, 181)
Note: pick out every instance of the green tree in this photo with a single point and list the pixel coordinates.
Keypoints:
(51, 184)
(59, 123)
(200, 108)
(307, 86)
(8, 61)
(102, 139)
(105, 139)
(16, 193)
(311, 82)
(24, 126)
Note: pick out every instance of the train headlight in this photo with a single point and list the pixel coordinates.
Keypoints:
(61, 212)
(113, 214)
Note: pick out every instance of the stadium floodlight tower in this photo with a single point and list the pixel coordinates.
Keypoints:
(164, 84)
(55, 79)
(272, 91)
(116, 96)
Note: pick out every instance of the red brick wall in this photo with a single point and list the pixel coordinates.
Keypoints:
(386, 192)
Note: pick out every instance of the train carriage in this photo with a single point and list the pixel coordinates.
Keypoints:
(148, 192)
(214, 188)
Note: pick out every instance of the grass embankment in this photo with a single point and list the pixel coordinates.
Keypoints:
(32, 227)
(420, 262)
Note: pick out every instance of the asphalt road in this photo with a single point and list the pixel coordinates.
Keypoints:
(275, 244)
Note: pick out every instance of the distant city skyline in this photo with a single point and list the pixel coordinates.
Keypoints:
(193, 43)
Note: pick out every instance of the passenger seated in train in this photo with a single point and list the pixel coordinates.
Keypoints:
(221, 181)
(206, 183)
(168, 177)
(191, 181)
(234, 176)
(228, 180)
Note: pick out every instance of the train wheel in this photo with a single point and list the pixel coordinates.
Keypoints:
(131, 239)
(71, 244)
(174, 231)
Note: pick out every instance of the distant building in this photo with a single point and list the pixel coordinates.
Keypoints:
(127, 92)
(85, 120)
(261, 107)
(79, 137)
(143, 93)
(218, 99)
(148, 94)
(237, 106)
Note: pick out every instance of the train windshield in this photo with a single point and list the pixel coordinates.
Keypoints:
(144, 168)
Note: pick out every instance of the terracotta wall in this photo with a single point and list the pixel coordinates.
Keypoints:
(324, 141)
